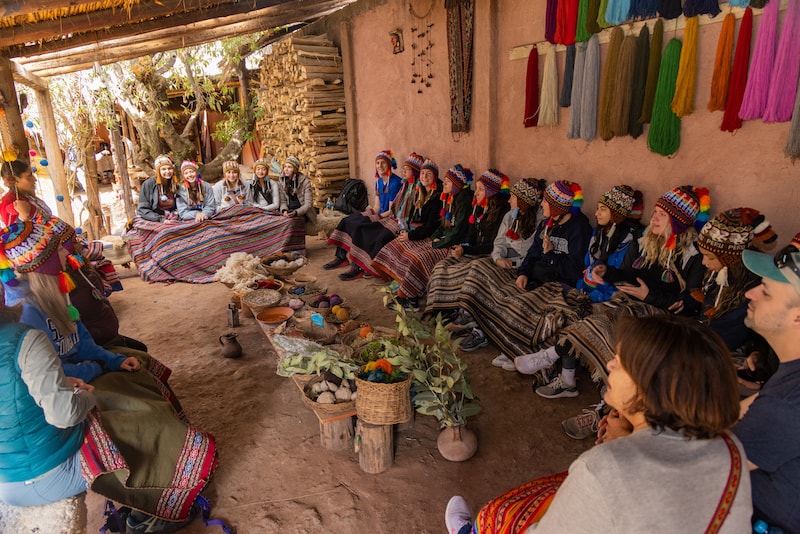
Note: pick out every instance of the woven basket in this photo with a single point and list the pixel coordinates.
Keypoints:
(324, 335)
(259, 300)
(281, 271)
(327, 409)
(383, 404)
(352, 310)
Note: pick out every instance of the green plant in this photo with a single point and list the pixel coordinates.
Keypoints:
(441, 380)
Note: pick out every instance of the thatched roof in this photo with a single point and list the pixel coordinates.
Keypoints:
(49, 37)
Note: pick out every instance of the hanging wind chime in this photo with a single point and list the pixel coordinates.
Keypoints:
(421, 45)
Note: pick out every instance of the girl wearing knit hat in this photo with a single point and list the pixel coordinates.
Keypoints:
(262, 192)
(410, 263)
(195, 197)
(230, 191)
(556, 255)
(157, 198)
(387, 183)
(21, 203)
(721, 242)
(297, 199)
(362, 235)
(489, 206)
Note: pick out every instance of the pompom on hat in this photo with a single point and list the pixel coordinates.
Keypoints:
(431, 166)
(731, 232)
(294, 162)
(563, 197)
(529, 191)
(619, 199)
(230, 165)
(494, 182)
(686, 205)
(388, 155)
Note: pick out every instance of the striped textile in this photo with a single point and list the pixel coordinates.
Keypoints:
(410, 263)
(592, 338)
(514, 511)
(371, 233)
(444, 287)
(192, 252)
(519, 322)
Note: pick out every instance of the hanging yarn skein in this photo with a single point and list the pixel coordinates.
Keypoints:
(566, 22)
(782, 89)
(569, 73)
(670, 9)
(792, 148)
(607, 83)
(576, 98)
(653, 66)
(617, 11)
(601, 15)
(532, 89)
(722, 65)
(692, 8)
(621, 100)
(664, 136)
(591, 85)
(548, 101)
(683, 101)
(550, 20)
(757, 88)
(730, 120)
(639, 81)
(643, 9)
(581, 33)
(592, 12)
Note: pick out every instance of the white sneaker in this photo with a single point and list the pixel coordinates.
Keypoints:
(504, 362)
(530, 364)
(457, 515)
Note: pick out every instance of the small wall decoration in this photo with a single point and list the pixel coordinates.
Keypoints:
(396, 36)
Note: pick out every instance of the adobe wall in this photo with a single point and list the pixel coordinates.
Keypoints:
(746, 168)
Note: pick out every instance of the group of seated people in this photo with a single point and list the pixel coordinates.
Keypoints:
(168, 196)
(84, 407)
(522, 267)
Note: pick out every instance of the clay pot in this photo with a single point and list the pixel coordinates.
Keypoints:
(230, 345)
(457, 443)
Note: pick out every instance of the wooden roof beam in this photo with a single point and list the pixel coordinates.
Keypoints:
(15, 8)
(25, 77)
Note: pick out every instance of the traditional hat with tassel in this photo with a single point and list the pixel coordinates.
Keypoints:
(163, 160)
(461, 178)
(563, 197)
(731, 232)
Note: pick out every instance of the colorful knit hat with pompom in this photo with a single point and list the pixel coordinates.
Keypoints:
(731, 232)
(529, 191)
(619, 199)
(188, 164)
(431, 166)
(685, 205)
(388, 155)
(495, 182)
(414, 162)
(459, 176)
(563, 197)
(163, 160)
(67, 236)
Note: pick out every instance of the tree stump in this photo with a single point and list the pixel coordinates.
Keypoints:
(375, 447)
(336, 435)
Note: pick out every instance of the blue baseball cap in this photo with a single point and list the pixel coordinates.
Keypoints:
(783, 268)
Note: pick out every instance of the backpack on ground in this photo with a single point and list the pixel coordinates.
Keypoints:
(353, 197)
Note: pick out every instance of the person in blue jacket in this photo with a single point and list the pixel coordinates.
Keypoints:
(34, 251)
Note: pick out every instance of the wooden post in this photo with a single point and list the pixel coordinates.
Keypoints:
(96, 222)
(375, 446)
(55, 162)
(336, 435)
(121, 167)
(15, 134)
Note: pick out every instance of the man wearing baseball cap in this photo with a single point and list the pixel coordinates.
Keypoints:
(770, 425)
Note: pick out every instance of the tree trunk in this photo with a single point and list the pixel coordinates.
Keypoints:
(121, 169)
(97, 227)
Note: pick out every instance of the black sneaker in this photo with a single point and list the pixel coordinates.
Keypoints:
(473, 342)
(142, 523)
(352, 274)
(335, 263)
(410, 304)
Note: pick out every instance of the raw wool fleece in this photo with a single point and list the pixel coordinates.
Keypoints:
(63, 517)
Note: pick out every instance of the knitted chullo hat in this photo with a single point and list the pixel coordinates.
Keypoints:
(66, 236)
(163, 160)
(619, 199)
(563, 196)
(638, 206)
(529, 191)
(388, 156)
(495, 182)
(230, 165)
(260, 162)
(188, 164)
(294, 162)
(415, 161)
(431, 166)
(460, 176)
(685, 205)
(728, 234)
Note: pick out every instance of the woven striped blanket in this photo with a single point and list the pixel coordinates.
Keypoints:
(192, 252)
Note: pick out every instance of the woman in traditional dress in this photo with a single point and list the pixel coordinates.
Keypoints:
(230, 191)
(295, 191)
(504, 306)
(138, 450)
(489, 207)
(410, 262)
(387, 187)
(679, 470)
(262, 192)
(20, 203)
(371, 227)
(196, 200)
(158, 196)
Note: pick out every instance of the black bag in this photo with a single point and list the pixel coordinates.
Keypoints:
(353, 197)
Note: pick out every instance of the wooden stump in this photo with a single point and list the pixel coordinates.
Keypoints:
(375, 447)
(336, 435)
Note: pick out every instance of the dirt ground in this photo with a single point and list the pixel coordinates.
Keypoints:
(274, 476)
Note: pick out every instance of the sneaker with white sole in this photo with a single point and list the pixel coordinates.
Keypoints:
(457, 515)
(530, 364)
(462, 321)
(557, 389)
(581, 426)
(504, 362)
(473, 342)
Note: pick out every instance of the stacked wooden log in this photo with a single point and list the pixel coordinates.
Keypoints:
(302, 96)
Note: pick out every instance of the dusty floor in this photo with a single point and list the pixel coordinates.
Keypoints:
(274, 476)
